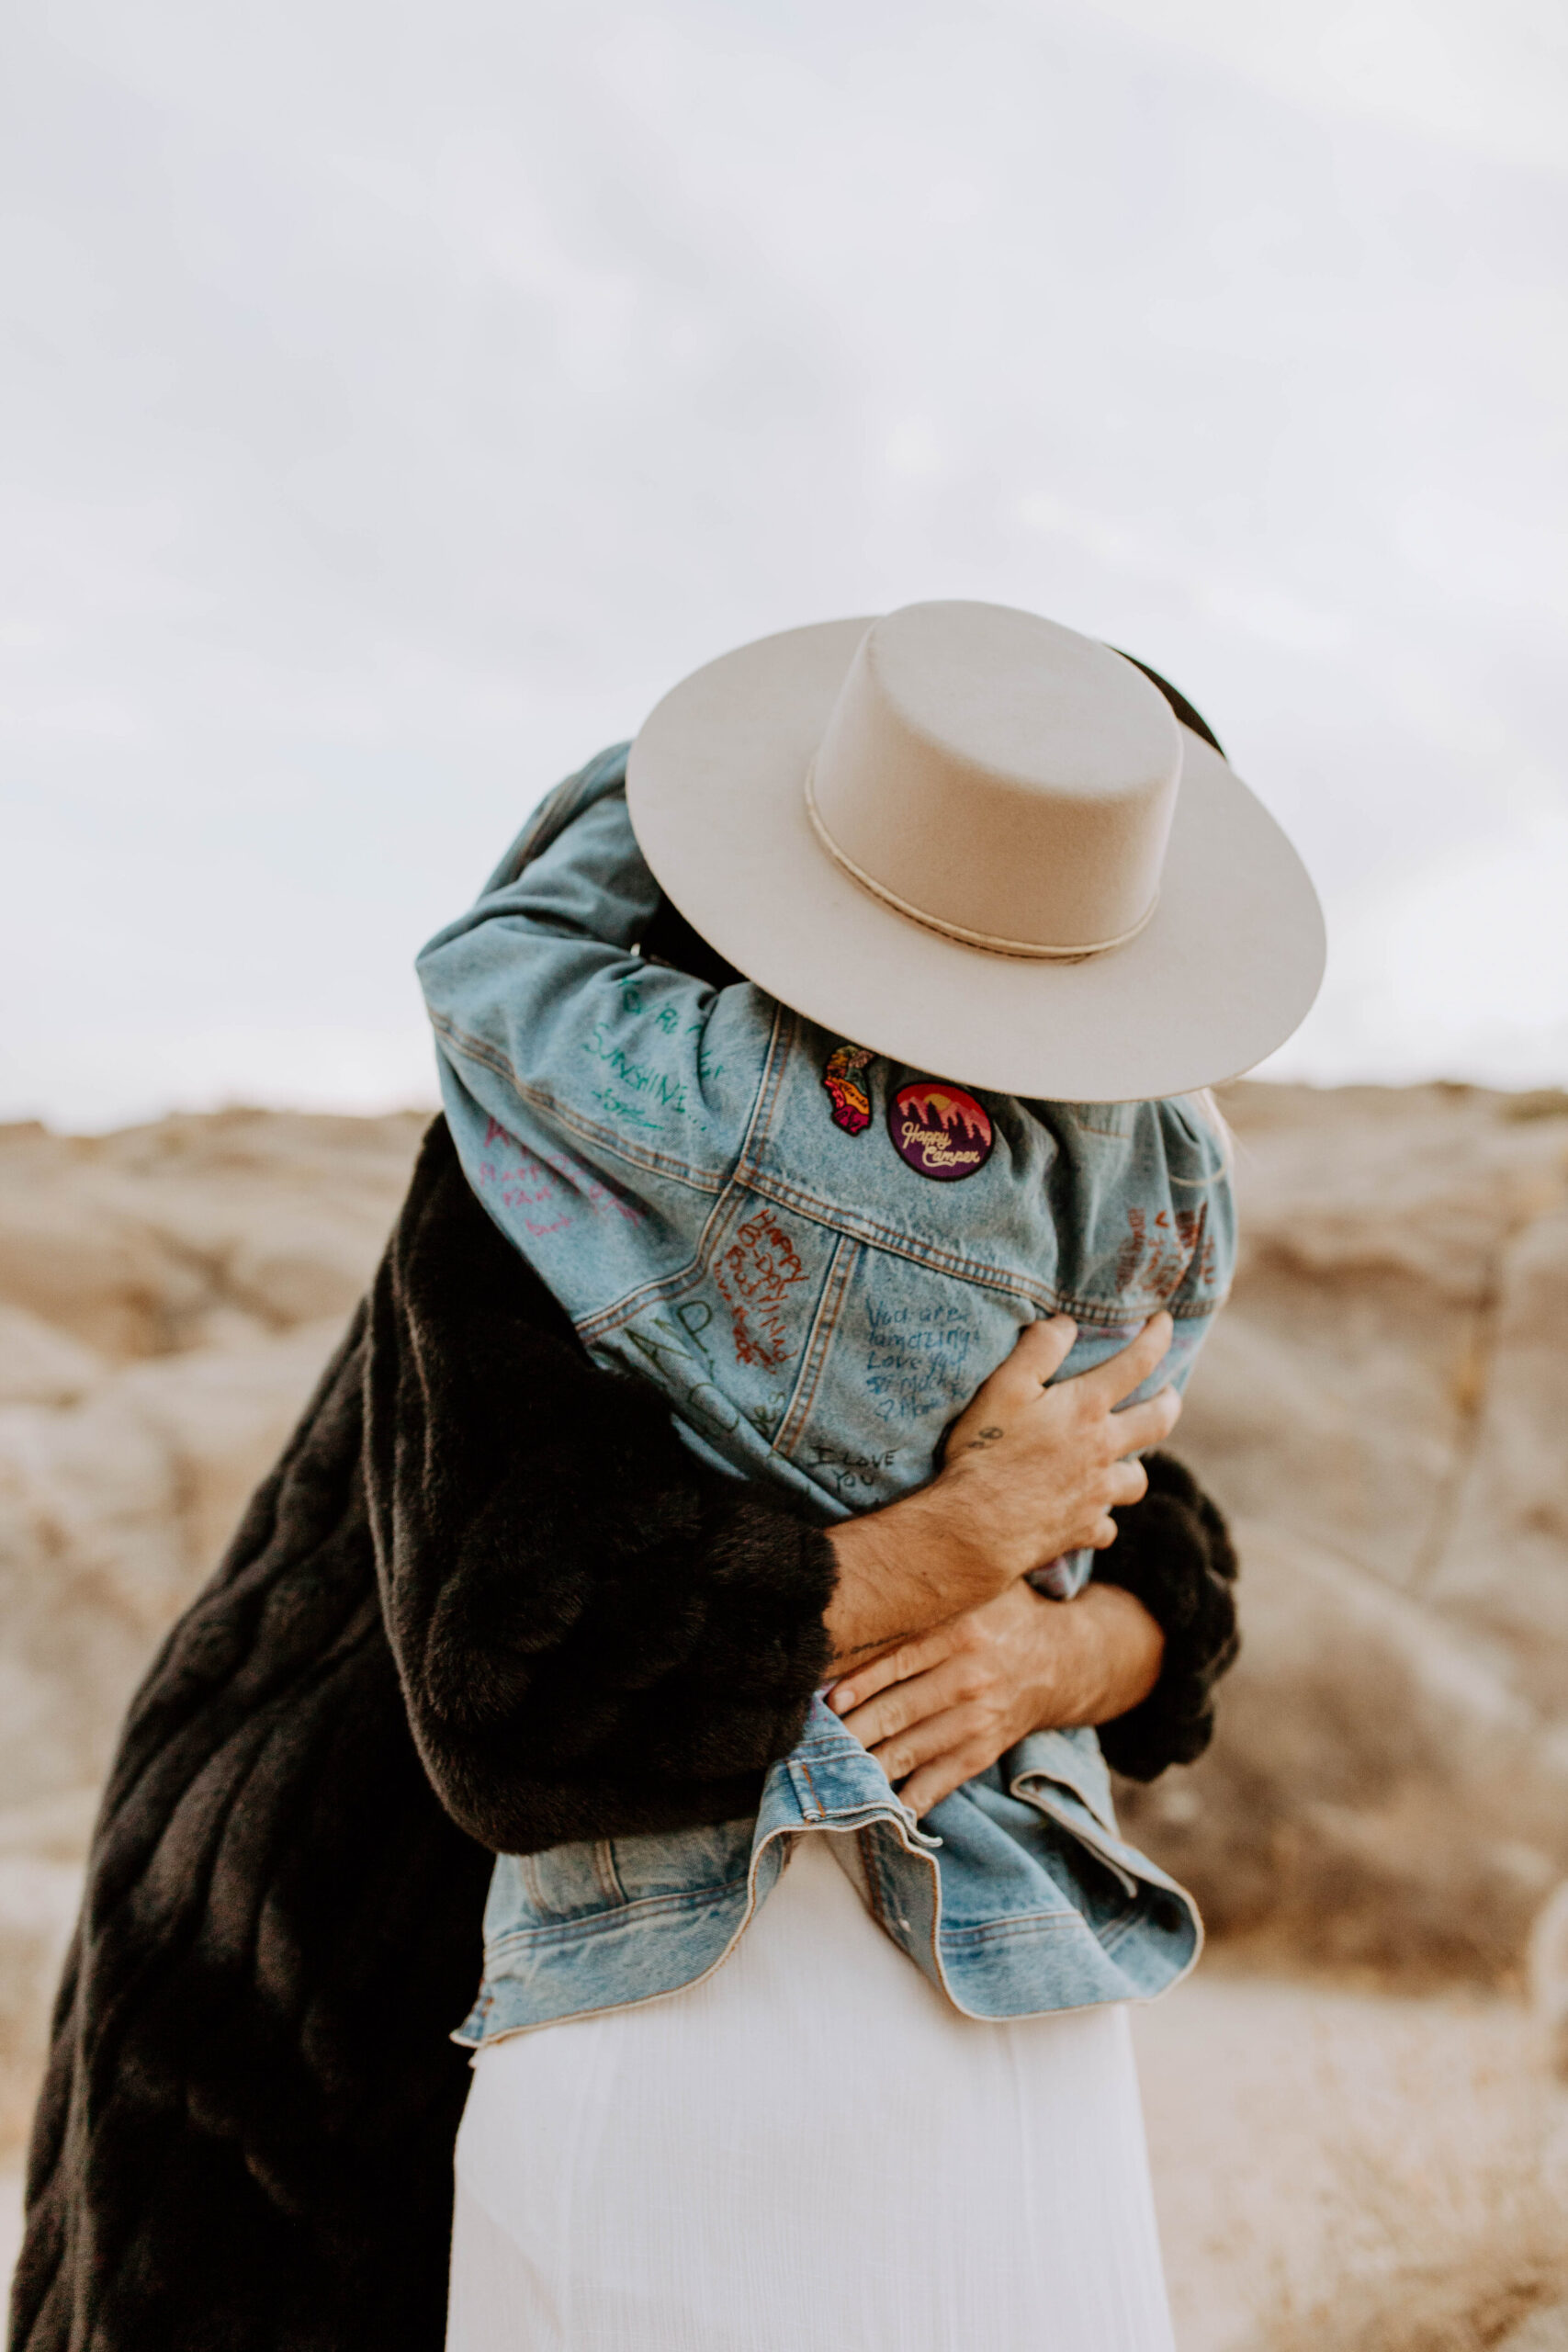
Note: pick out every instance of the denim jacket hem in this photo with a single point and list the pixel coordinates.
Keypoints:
(558, 1948)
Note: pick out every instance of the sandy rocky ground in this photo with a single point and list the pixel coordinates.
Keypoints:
(1359, 2133)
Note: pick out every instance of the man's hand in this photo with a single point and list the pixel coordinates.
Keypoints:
(1043, 1467)
(1028, 1472)
(939, 1709)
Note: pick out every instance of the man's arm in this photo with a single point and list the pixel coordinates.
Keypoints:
(1136, 1654)
(1033, 1468)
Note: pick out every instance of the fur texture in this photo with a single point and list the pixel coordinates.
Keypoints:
(1174, 1553)
(596, 1635)
(244, 2142)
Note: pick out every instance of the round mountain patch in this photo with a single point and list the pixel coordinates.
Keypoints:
(939, 1130)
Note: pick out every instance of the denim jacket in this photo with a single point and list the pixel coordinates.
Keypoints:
(818, 1256)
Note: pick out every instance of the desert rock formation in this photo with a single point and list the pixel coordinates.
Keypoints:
(1384, 1409)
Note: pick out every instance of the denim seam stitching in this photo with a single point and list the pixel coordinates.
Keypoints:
(882, 1236)
(638, 1909)
(759, 1126)
(1022, 1925)
(550, 1106)
(1116, 1931)
(819, 1344)
(995, 1278)
(606, 1872)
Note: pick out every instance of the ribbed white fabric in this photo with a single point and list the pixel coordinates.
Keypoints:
(811, 2148)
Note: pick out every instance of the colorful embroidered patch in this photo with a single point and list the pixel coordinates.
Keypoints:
(939, 1130)
(851, 1104)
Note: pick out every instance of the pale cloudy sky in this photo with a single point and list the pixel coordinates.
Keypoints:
(395, 399)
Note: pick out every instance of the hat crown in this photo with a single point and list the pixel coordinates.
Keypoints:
(999, 778)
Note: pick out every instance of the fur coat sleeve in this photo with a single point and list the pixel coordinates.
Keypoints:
(596, 1635)
(487, 1597)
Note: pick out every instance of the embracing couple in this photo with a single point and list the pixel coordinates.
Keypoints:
(723, 1530)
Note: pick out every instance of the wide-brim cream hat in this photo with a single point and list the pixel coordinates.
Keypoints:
(981, 844)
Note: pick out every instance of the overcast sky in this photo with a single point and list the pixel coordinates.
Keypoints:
(397, 399)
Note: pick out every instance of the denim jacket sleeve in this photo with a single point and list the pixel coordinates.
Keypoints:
(554, 1028)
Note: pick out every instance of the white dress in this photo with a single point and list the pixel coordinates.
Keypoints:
(810, 2148)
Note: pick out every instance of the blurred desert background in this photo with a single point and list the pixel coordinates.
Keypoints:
(393, 405)
(1359, 2130)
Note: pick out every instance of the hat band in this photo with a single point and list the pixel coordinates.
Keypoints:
(987, 940)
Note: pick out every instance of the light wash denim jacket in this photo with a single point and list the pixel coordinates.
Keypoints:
(719, 1209)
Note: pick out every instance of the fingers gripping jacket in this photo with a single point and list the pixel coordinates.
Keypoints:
(1173, 1553)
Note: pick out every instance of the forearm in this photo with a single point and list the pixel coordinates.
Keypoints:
(1095, 1658)
(1135, 1655)
(916, 1565)
(901, 1571)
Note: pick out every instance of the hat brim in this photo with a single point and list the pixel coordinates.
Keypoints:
(1224, 969)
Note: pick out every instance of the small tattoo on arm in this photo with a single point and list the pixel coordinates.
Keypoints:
(986, 1437)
